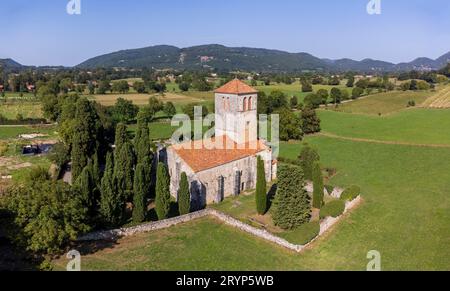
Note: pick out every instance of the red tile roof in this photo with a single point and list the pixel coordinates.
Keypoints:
(236, 87)
(202, 159)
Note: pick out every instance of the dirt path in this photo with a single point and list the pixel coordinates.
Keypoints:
(331, 135)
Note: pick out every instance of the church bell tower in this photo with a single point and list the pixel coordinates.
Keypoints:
(236, 106)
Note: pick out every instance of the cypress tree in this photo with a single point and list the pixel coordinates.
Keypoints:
(84, 187)
(142, 142)
(318, 186)
(147, 164)
(307, 158)
(162, 192)
(96, 173)
(121, 136)
(140, 194)
(292, 206)
(124, 170)
(184, 196)
(111, 204)
(261, 188)
(86, 128)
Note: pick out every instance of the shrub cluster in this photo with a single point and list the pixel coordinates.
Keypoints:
(334, 208)
(351, 193)
(329, 189)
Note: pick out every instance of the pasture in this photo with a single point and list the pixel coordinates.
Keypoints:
(415, 126)
(12, 109)
(12, 132)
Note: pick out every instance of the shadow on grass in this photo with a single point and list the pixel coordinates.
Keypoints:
(12, 257)
(271, 196)
(153, 217)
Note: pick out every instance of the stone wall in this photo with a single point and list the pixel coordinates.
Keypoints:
(325, 225)
(263, 234)
(147, 227)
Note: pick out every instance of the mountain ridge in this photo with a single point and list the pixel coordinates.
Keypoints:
(248, 59)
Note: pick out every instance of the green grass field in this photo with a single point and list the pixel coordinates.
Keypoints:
(384, 103)
(10, 132)
(417, 126)
(10, 110)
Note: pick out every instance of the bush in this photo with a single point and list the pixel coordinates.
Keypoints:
(3, 148)
(334, 208)
(329, 189)
(283, 160)
(303, 234)
(351, 193)
(411, 103)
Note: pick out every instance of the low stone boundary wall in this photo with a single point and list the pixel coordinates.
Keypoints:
(263, 234)
(228, 220)
(147, 227)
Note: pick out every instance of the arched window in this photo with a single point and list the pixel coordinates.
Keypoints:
(228, 104)
(249, 103)
(224, 105)
(245, 104)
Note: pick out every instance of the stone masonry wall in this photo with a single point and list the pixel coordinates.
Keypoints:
(325, 225)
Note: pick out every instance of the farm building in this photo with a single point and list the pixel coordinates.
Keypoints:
(229, 167)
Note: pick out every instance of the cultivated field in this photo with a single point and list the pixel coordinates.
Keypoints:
(440, 99)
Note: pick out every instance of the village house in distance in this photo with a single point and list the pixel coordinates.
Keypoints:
(229, 170)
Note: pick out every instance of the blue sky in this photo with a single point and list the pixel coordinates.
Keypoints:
(40, 32)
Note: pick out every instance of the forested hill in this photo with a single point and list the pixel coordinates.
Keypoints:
(225, 58)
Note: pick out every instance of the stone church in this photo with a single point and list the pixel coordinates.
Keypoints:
(230, 168)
